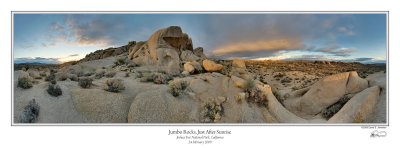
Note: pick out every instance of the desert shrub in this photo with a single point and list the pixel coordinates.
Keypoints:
(43, 74)
(156, 78)
(30, 113)
(286, 80)
(24, 82)
(35, 75)
(240, 97)
(119, 61)
(99, 74)
(255, 95)
(73, 77)
(334, 108)
(114, 85)
(63, 77)
(85, 82)
(54, 90)
(50, 77)
(177, 87)
(110, 74)
(211, 112)
(250, 84)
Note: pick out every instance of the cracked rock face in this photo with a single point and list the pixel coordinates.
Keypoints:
(329, 90)
(166, 48)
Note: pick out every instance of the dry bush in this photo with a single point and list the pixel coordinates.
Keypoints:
(211, 112)
(177, 87)
(85, 82)
(99, 74)
(30, 113)
(25, 82)
(54, 90)
(156, 78)
(255, 95)
(114, 85)
(110, 74)
(334, 108)
(119, 61)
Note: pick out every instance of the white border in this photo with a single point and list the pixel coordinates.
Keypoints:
(200, 12)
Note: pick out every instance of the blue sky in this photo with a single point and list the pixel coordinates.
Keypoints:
(57, 38)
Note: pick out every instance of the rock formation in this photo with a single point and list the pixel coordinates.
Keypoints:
(329, 90)
(166, 49)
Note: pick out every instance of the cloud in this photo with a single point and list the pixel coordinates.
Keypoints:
(262, 35)
(254, 47)
(337, 51)
(348, 31)
(86, 30)
(363, 59)
(73, 55)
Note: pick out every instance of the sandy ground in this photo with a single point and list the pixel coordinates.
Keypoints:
(52, 109)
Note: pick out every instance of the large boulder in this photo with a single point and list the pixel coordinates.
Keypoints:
(158, 106)
(171, 37)
(188, 67)
(328, 91)
(358, 108)
(165, 49)
(211, 66)
(100, 106)
(192, 67)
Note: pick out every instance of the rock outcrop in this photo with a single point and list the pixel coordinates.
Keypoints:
(166, 49)
(358, 108)
(329, 90)
(101, 54)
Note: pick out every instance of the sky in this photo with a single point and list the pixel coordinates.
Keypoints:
(58, 38)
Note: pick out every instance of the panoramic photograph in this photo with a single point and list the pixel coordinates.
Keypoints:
(199, 68)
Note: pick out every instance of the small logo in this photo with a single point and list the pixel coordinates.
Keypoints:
(377, 133)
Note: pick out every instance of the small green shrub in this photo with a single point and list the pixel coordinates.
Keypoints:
(30, 113)
(24, 82)
(211, 112)
(156, 78)
(54, 90)
(114, 85)
(73, 77)
(50, 77)
(99, 74)
(110, 74)
(85, 82)
(255, 95)
(119, 61)
(177, 87)
(63, 77)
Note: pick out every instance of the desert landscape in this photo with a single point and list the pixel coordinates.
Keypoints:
(167, 80)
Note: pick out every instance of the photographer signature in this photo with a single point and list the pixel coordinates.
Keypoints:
(377, 133)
